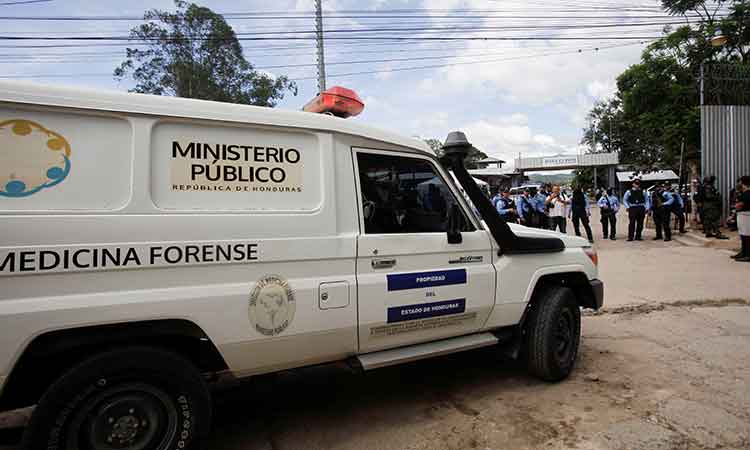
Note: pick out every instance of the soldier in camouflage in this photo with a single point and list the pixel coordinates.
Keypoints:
(711, 200)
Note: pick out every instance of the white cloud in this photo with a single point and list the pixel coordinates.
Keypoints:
(544, 140)
(507, 136)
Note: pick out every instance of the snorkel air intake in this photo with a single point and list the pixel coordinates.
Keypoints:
(456, 148)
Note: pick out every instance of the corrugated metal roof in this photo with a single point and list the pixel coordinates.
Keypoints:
(493, 171)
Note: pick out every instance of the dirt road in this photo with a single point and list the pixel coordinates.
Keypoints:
(667, 366)
(675, 378)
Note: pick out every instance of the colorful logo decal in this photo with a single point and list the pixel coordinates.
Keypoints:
(32, 158)
(272, 305)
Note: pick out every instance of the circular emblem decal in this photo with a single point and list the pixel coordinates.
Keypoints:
(32, 158)
(272, 305)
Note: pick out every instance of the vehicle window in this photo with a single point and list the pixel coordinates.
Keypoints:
(404, 195)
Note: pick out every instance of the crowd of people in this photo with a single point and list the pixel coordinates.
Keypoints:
(549, 207)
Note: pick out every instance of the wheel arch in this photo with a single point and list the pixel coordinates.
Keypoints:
(50, 354)
(571, 276)
(576, 280)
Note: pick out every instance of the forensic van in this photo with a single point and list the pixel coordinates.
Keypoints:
(152, 248)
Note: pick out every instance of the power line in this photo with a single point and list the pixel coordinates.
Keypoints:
(545, 16)
(362, 38)
(282, 66)
(438, 66)
(23, 2)
(398, 69)
(413, 29)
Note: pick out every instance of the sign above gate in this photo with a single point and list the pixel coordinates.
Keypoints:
(560, 161)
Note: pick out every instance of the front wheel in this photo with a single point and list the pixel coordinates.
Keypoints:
(553, 334)
(130, 399)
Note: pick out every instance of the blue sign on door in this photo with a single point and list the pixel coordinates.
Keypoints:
(417, 280)
(426, 310)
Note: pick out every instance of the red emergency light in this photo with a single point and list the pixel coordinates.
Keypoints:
(338, 101)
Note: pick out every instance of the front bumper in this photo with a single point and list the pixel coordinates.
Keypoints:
(597, 290)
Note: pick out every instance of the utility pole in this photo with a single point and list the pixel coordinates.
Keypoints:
(319, 41)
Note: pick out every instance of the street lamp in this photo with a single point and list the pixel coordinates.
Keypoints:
(718, 39)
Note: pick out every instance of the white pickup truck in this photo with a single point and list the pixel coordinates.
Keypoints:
(151, 247)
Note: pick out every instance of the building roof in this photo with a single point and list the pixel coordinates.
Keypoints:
(493, 172)
(156, 105)
(659, 175)
(489, 160)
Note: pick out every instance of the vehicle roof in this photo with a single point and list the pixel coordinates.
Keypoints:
(114, 101)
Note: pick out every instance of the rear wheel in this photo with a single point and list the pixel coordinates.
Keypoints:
(553, 334)
(130, 399)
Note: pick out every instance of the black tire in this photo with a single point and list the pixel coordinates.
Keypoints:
(553, 334)
(135, 398)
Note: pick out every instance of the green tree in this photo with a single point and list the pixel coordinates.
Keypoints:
(436, 145)
(656, 108)
(194, 53)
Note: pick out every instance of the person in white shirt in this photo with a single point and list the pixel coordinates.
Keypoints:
(557, 202)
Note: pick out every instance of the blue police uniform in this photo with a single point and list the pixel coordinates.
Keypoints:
(637, 203)
(668, 199)
(608, 207)
(504, 207)
(525, 208)
(662, 213)
(679, 210)
(496, 199)
(540, 209)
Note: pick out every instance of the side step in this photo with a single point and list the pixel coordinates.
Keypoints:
(402, 355)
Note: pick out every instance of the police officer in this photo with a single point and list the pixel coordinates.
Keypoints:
(525, 208)
(540, 207)
(608, 207)
(506, 207)
(636, 204)
(711, 200)
(678, 208)
(661, 208)
(496, 198)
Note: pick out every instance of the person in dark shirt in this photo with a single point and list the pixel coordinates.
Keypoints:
(743, 220)
(661, 210)
(580, 212)
(608, 207)
(636, 203)
(711, 201)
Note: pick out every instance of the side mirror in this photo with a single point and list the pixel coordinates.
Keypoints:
(368, 210)
(455, 225)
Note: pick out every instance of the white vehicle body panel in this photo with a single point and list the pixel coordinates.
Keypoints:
(206, 255)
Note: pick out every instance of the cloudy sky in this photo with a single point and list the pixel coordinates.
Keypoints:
(514, 75)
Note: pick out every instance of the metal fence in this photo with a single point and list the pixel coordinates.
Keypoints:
(725, 144)
(724, 84)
